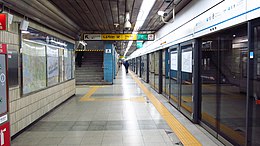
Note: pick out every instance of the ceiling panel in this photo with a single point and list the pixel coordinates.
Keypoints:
(100, 16)
(94, 16)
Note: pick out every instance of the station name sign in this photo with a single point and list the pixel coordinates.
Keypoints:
(118, 37)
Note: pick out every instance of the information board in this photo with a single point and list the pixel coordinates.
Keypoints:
(174, 61)
(186, 61)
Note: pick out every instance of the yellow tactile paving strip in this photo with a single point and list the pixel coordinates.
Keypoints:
(239, 137)
(91, 91)
(133, 99)
(87, 97)
(182, 133)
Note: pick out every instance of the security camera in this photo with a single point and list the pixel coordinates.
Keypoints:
(162, 13)
(127, 25)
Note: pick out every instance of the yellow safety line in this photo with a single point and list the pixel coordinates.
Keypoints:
(89, 94)
(239, 137)
(182, 133)
(133, 99)
(98, 86)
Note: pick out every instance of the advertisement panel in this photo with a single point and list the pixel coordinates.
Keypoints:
(52, 65)
(34, 66)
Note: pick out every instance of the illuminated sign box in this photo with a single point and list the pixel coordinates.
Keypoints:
(3, 22)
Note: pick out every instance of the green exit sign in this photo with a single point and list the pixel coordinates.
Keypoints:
(139, 45)
(145, 37)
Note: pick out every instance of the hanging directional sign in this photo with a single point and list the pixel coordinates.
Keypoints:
(118, 37)
(91, 37)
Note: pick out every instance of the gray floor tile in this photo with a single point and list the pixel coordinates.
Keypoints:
(71, 141)
(66, 123)
(114, 127)
(50, 141)
(96, 128)
(94, 134)
(148, 126)
(153, 139)
(116, 123)
(98, 123)
(82, 123)
(163, 126)
(91, 140)
(61, 128)
(146, 122)
(79, 128)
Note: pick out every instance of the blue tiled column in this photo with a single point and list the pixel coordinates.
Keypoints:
(108, 62)
(114, 63)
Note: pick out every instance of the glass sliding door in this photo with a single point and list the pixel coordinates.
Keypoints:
(163, 72)
(233, 50)
(174, 86)
(254, 85)
(209, 60)
(156, 70)
(167, 72)
(186, 83)
(223, 83)
(151, 69)
(144, 68)
(165, 77)
(140, 66)
(138, 63)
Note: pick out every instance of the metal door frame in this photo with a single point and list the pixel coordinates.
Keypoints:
(174, 49)
(187, 43)
(250, 77)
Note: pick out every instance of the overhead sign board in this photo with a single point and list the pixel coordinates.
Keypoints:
(118, 37)
(91, 37)
(3, 22)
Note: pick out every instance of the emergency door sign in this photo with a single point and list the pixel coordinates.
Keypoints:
(5, 134)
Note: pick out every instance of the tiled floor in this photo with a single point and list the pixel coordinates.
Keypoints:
(116, 115)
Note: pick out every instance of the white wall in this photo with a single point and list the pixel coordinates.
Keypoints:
(201, 17)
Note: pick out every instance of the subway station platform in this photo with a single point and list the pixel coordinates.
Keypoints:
(127, 113)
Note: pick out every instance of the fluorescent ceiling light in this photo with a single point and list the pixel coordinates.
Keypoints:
(142, 15)
(25, 32)
(128, 47)
(59, 43)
